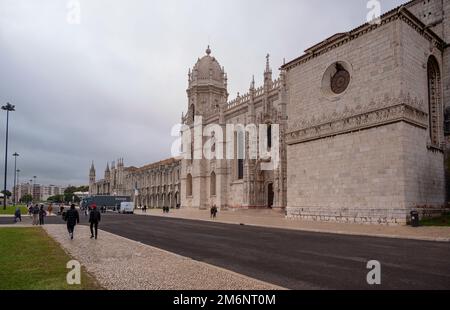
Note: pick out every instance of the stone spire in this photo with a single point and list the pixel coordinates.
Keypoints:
(92, 178)
(252, 84)
(268, 74)
(107, 172)
(208, 51)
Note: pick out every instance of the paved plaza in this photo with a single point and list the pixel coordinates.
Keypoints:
(122, 264)
(276, 219)
(286, 258)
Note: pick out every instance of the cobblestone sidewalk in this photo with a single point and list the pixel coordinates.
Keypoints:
(122, 264)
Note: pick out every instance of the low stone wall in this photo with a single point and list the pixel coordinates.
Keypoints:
(398, 216)
(347, 215)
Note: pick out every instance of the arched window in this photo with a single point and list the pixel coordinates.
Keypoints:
(269, 136)
(193, 112)
(189, 185)
(434, 100)
(240, 154)
(213, 184)
(213, 142)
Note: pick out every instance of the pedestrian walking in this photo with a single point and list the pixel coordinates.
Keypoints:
(94, 219)
(213, 212)
(35, 212)
(17, 215)
(42, 215)
(50, 209)
(30, 210)
(72, 218)
(145, 209)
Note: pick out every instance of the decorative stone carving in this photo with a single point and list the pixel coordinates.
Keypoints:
(375, 114)
(340, 80)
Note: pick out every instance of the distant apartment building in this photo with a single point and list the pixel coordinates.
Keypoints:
(38, 191)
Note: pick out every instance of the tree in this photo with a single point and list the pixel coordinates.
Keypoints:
(70, 190)
(84, 188)
(71, 197)
(7, 193)
(56, 199)
(27, 198)
(69, 193)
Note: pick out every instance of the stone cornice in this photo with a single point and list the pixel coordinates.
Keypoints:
(400, 112)
(338, 40)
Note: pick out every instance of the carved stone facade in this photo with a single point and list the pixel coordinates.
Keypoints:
(374, 151)
(361, 121)
(155, 185)
(237, 182)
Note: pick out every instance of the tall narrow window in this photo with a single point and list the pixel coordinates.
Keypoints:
(434, 100)
(213, 184)
(269, 136)
(240, 154)
(189, 185)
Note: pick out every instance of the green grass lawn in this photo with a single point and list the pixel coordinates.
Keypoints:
(438, 221)
(10, 210)
(30, 259)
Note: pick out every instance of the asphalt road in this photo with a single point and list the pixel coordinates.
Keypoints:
(292, 259)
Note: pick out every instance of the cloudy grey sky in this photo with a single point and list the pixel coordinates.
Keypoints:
(115, 84)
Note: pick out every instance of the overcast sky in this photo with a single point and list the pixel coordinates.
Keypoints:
(114, 85)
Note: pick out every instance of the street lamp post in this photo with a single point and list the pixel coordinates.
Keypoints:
(17, 173)
(8, 108)
(34, 187)
(30, 187)
(15, 178)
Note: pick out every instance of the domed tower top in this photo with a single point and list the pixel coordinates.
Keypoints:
(207, 88)
(207, 71)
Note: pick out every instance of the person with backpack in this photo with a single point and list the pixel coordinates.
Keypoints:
(94, 219)
(17, 215)
(72, 218)
(35, 212)
(42, 214)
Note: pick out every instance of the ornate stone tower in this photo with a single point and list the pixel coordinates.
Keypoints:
(207, 87)
(107, 173)
(91, 179)
(207, 95)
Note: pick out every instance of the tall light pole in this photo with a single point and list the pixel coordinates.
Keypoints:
(17, 173)
(8, 108)
(34, 184)
(15, 177)
(31, 189)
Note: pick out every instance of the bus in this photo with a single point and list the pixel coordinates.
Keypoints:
(110, 202)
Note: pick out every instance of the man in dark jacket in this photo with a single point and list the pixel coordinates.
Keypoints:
(72, 218)
(42, 215)
(94, 219)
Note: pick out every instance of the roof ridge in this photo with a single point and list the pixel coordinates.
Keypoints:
(400, 10)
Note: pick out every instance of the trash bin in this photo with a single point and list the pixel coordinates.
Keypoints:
(414, 219)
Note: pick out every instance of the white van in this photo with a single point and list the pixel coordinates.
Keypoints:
(126, 207)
